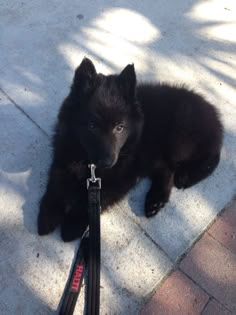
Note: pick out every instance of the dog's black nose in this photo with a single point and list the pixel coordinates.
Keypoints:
(106, 163)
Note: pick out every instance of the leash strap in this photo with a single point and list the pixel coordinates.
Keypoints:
(94, 250)
(73, 287)
(90, 246)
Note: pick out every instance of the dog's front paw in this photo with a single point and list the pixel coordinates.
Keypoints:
(45, 224)
(73, 228)
(47, 221)
(154, 203)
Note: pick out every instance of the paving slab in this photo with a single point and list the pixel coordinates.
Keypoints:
(224, 229)
(209, 268)
(215, 308)
(178, 295)
(41, 44)
(212, 266)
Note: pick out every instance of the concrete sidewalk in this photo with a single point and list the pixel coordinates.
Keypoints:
(41, 44)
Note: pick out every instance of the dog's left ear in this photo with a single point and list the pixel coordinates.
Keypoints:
(127, 82)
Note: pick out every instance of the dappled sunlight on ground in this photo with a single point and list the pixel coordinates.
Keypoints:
(117, 37)
(110, 41)
(127, 24)
(211, 11)
(185, 41)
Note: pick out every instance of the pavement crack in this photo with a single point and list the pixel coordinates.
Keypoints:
(150, 238)
(24, 112)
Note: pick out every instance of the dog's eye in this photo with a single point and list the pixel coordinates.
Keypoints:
(91, 125)
(119, 128)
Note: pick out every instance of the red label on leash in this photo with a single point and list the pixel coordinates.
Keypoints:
(77, 278)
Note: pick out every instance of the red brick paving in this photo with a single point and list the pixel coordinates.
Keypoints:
(206, 281)
(213, 267)
(215, 308)
(224, 229)
(178, 295)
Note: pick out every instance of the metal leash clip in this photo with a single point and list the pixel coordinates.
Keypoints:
(93, 179)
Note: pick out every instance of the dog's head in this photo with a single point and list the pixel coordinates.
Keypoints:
(108, 117)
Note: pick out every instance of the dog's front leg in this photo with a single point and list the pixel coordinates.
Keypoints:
(75, 220)
(54, 201)
(158, 195)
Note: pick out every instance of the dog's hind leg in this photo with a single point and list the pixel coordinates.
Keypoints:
(191, 172)
(158, 195)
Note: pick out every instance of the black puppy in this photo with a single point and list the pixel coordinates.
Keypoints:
(169, 134)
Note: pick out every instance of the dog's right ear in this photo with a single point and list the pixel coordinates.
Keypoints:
(85, 76)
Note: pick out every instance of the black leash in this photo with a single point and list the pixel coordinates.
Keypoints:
(75, 282)
(90, 246)
(94, 186)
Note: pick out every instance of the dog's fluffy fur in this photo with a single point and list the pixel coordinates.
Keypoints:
(167, 133)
